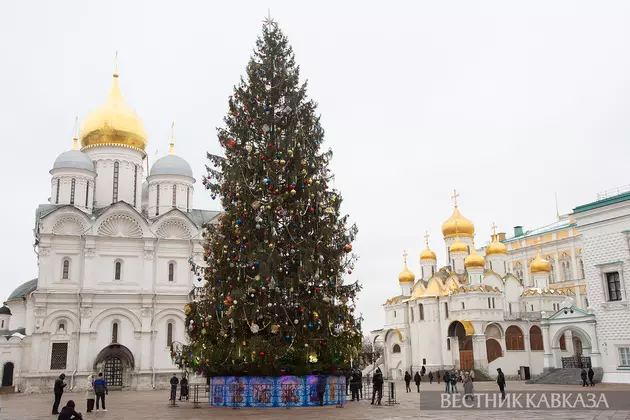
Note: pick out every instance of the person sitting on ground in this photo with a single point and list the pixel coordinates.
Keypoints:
(68, 413)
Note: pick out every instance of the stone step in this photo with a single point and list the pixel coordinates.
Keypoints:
(571, 376)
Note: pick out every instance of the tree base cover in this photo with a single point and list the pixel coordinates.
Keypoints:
(282, 391)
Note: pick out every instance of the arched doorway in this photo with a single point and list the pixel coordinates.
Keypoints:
(7, 374)
(577, 346)
(463, 331)
(116, 363)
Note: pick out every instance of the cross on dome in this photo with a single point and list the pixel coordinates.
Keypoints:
(454, 197)
(494, 228)
(426, 238)
(172, 144)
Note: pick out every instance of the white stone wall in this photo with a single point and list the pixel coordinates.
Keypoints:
(183, 188)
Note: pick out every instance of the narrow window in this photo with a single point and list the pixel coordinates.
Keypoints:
(463, 306)
(504, 266)
(135, 184)
(411, 312)
(116, 169)
(424, 361)
(57, 193)
(581, 266)
(115, 332)
(493, 307)
(157, 201)
(432, 270)
(489, 306)
(59, 356)
(532, 308)
(448, 344)
(66, 270)
(171, 271)
(421, 309)
(510, 308)
(73, 184)
(174, 196)
(188, 200)
(563, 343)
(445, 309)
(490, 265)
(2, 324)
(169, 334)
(394, 314)
(614, 286)
(87, 193)
(117, 270)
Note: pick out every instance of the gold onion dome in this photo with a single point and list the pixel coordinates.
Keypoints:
(406, 276)
(114, 124)
(427, 254)
(464, 226)
(540, 265)
(458, 246)
(496, 247)
(474, 260)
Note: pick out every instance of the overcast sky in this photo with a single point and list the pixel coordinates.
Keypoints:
(509, 102)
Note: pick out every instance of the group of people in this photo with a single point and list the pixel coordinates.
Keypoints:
(417, 378)
(354, 381)
(590, 376)
(183, 392)
(96, 389)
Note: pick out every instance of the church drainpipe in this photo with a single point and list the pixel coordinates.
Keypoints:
(79, 299)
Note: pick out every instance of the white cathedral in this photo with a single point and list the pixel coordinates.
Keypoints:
(114, 254)
(473, 313)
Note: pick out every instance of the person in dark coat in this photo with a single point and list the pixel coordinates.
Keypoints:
(348, 379)
(454, 376)
(438, 377)
(58, 391)
(321, 388)
(591, 374)
(501, 382)
(417, 379)
(360, 385)
(430, 377)
(100, 389)
(447, 382)
(174, 383)
(583, 375)
(183, 393)
(354, 385)
(377, 386)
(68, 413)
(423, 371)
(408, 381)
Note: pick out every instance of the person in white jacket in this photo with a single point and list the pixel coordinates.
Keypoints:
(89, 392)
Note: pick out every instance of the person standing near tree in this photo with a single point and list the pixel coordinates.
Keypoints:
(183, 392)
(174, 382)
(377, 386)
(417, 379)
(100, 389)
(58, 391)
(501, 382)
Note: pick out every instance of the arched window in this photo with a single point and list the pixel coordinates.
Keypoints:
(87, 193)
(446, 310)
(169, 334)
(171, 271)
(566, 270)
(396, 348)
(65, 272)
(421, 312)
(57, 193)
(135, 184)
(514, 338)
(61, 328)
(581, 267)
(493, 349)
(552, 277)
(188, 199)
(116, 170)
(73, 184)
(157, 200)
(174, 196)
(432, 270)
(535, 338)
(563, 343)
(115, 332)
(117, 270)
(448, 344)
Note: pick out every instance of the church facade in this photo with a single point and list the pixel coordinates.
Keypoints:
(482, 310)
(114, 246)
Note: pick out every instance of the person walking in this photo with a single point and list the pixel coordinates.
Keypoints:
(468, 387)
(447, 382)
(454, 377)
(89, 392)
(408, 381)
(100, 389)
(68, 413)
(183, 391)
(354, 385)
(438, 377)
(591, 374)
(360, 385)
(472, 375)
(584, 376)
(174, 383)
(417, 379)
(501, 382)
(377, 387)
(430, 377)
(58, 391)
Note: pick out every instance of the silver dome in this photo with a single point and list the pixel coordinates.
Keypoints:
(171, 165)
(74, 159)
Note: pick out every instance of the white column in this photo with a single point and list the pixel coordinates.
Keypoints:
(574, 267)
(548, 359)
(84, 340)
(596, 356)
(480, 354)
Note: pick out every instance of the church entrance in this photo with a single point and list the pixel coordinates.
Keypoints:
(116, 362)
(463, 331)
(7, 374)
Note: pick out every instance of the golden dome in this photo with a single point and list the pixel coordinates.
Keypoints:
(114, 124)
(427, 254)
(464, 226)
(540, 265)
(496, 247)
(474, 260)
(458, 246)
(406, 276)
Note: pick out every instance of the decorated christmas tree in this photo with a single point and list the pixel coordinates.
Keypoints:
(275, 301)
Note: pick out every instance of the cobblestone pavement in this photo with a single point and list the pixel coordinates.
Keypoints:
(153, 405)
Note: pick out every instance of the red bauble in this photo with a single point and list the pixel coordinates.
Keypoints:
(230, 143)
(347, 248)
(349, 271)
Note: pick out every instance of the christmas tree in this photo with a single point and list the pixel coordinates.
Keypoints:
(275, 301)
